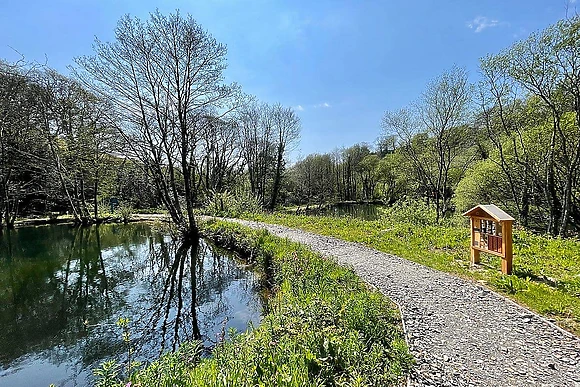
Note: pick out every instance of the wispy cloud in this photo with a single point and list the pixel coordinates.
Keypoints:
(323, 105)
(480, 23)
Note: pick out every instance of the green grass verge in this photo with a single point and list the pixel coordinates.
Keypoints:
(323, 327)
(546, 274)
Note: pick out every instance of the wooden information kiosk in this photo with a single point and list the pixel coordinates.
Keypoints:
(491, 232)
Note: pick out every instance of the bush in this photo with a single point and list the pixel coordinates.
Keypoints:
(125, 210)
(410, 211)
(228, 204)
(483, 184)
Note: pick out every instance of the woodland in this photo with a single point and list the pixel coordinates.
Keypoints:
(148, 122)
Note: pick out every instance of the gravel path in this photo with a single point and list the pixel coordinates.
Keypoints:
(461, 333)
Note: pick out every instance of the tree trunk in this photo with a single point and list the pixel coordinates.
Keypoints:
(277, 178)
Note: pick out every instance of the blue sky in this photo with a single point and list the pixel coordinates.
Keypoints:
(340, 64)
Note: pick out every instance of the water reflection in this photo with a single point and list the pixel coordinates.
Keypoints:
(62, 289)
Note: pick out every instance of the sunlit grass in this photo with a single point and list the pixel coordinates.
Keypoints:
(546, 274)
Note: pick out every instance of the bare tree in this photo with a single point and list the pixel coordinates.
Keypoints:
(405, 129)
(287, 132)
(220, 155)
(163, 76)
(258, 146)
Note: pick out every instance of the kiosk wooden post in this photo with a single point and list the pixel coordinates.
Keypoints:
(491, 232)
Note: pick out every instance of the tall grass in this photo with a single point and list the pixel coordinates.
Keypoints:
(546, 274)
(323, 327)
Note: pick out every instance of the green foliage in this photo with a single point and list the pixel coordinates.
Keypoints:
(483, 183)
(546, 275)
(324, 327)
(103, 208)
(107, 375)
(122, 212)
(411, 212)
(229, 204)
(125, 210)
(511, 284)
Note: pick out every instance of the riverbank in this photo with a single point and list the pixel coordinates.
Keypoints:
(69, 219)
(323, 326)
(460, 332)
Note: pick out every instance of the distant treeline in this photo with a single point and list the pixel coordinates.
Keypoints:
(512, 139)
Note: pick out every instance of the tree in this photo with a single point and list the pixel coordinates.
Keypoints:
(220, 154)
(369, 174)
(348, 170)
(435, 137)
(258, 146)
(313, 179)
(79, 139)
(164, 76)
(444, 111)
(22, 155)
(268, 132)
(545, 70)
(287, 132)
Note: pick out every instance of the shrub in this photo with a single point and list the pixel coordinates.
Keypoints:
(228, 204)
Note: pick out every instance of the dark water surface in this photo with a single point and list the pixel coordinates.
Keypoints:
(62, 290)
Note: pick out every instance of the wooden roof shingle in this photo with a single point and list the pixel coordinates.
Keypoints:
(491, 210)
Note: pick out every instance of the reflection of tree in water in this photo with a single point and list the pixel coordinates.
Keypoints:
(52, 298)
(62, 289)
(54, 285)
(184, 277)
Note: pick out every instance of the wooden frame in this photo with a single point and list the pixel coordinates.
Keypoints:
(491, 232)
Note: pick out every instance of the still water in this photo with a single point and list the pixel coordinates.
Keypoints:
(62, 290)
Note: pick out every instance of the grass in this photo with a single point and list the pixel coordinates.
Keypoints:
(323, 327)
(546, 274)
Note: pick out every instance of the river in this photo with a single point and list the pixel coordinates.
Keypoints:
(63, 290)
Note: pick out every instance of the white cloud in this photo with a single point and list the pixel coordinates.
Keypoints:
(299, 108)
(480, 23)
(322, 105)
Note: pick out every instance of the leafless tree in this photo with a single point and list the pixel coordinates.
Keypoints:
(444, 111)
(163, 76)
(287, 132)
